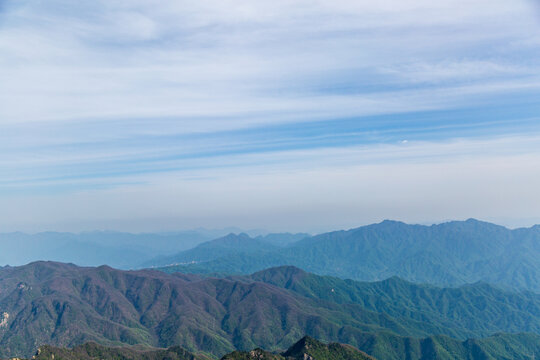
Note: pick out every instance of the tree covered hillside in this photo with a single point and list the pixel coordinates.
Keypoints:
(448, 254)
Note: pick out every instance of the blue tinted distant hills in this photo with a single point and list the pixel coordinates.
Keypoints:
(117, 249)
(230, 245)
(449, 254)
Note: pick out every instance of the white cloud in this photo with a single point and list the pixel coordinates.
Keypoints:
(334, 188)
(102, 59)
(85, 86)
(467, 70)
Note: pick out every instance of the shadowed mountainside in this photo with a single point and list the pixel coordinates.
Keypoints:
(303, 349)
(61, 304)
(306, 348)
(518, 347)
(65, 305)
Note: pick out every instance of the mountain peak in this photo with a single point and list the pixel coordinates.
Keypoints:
(280, 275)
(471, 221)
(233, 236)
(392, 222)
(310, 348)
(302, 346)
(386, 224)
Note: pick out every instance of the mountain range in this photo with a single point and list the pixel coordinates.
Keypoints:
(118, 249)
(448, 254)
(65, 305)
(305, 348)
(497, 347)
(232, 244)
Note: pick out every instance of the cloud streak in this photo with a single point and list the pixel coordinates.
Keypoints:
(332, 187)
(106, 96)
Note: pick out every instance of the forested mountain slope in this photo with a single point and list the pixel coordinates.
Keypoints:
(230, 245)
(503, 347)
(448, 254)
(65, 305)
(470, 310)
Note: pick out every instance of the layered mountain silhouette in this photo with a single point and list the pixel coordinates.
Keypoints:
(65, 305)
(470, 310)
(306, 348)
(129, 251)
(448, 254)
(229, 245)
(435, 348)
(118, 249)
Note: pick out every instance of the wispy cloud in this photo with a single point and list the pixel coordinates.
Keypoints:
(107, 94)
(321, 189)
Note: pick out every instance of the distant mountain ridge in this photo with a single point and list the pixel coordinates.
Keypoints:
(94, 248)
(230, 245)
(65, 305)
(518, 347)
(448, 254)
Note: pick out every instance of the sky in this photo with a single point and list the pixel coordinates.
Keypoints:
(285, 115)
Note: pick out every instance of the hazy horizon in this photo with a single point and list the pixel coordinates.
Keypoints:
(261, 231)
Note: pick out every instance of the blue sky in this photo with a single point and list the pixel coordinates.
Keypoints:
(285, 115)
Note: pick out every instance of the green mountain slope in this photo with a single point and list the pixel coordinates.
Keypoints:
(497, 347)
(448, 254)
(230, 245)
(475, 310)
(65, 305)
(214, 249)
(384, 346)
